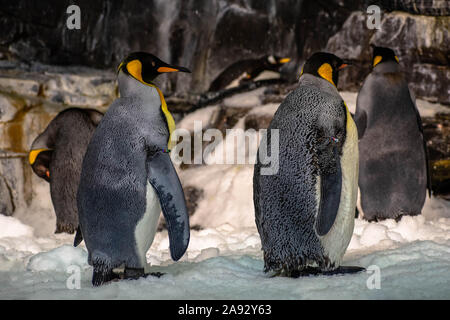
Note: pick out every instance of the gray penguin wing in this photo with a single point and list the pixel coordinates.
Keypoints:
(330, 197)
(419, 124)
(164, 179)
(360, 117)
(360, 121)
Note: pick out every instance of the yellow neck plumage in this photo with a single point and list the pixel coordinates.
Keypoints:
(135, 69)
(326, 72)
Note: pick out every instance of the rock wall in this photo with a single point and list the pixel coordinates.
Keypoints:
(204, 35)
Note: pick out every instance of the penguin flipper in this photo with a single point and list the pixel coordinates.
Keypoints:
(164, 179)
(360, 119)
(419, 124)
(330, 198)
(78, 237)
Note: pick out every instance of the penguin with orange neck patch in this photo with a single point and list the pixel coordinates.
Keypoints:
(305, 211)
(127, 176)
(56, 156)
(246, 70)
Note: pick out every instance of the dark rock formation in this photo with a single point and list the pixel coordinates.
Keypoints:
(424, 7)
(6, 201)
(437, 133)
(204, 35)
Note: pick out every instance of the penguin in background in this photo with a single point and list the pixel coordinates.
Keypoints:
(394, 173)
(127, 176)
(247, 70)
(305, 212)
(56, 156)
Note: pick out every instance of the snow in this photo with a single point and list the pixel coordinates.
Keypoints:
(224, 259)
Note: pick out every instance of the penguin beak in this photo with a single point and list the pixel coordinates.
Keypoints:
(170, 68)
(284, 60)
(345, 64)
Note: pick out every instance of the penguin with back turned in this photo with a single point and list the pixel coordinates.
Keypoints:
(127, 176)
(394, 172)
(56, 156)
(305, 212)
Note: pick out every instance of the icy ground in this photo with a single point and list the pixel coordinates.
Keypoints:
(226, 263)
(224, 260)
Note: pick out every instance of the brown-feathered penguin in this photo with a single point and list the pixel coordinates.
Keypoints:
(246, 70)
(393, 154)
(56, 156)
(305, 211)
(127, 176)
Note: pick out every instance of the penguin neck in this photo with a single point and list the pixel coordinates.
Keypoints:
(311, 80)
(388, 66)
(130, 87)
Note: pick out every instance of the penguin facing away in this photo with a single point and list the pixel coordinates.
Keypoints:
(393, 161)
(246, 70)
(127, 176)
(56, 156)
(305, 212)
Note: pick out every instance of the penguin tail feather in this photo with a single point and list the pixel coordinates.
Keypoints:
(78, 237)
(103, 271)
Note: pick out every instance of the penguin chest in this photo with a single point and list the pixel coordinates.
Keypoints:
(147, 226)
(336, 241)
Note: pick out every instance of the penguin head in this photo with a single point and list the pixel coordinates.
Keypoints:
(381, 54)
(325, 65)
(145, 67)
(275, 61)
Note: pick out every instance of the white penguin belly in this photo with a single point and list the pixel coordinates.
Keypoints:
(336, 241)
(147, 226)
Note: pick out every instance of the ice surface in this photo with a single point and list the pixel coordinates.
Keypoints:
(224, 260)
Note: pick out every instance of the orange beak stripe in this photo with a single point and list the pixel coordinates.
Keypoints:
(166, 69)
(343, 66)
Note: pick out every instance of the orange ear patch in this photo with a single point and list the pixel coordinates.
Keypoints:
(377, 60)
(135, 69)
(326, 72)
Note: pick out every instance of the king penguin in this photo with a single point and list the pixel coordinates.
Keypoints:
(246, 70)
(127, 176)
(305, 211)
(56, 156)
(393, 163)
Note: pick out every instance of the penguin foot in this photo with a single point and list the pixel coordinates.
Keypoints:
(313, 271)
(343, 270)
(133, 273)
(154, 274)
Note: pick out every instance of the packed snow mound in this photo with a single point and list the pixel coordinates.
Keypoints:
(228, 195)
(11, 227)
(58, 259)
